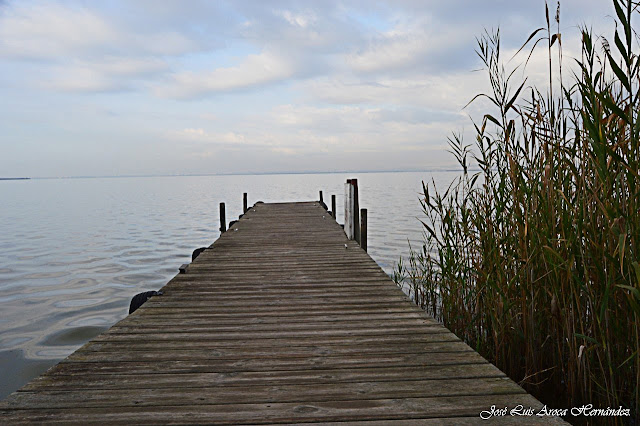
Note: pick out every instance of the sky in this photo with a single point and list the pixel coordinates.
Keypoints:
(156, 87)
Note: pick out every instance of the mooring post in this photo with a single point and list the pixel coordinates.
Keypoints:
(333, 205)
(223, 219)
(348, 209)
(356, 211)
(244, 203)
(321, 200)
(363, 229)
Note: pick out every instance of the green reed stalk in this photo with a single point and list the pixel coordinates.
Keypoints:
(534, 261)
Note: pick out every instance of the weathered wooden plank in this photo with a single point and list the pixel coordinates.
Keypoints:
(217, 325)
(284, 331)
(307, 340)
(320, 302)
(265, 413)
(214, 361)
(221, 283)
(354, 282)
(291, 268)
(282, 306)
(252, 340)
(263, 297)
(454, 421)
(260, 312)
(172, 318)
(214, 366)
(222, 287)
(288, 259)
(396, 346)
(62, 378)
(315, 392)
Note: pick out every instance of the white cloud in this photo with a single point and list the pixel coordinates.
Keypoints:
(200, 135)
(51, 31)
(449, 93)
(254, 70)
(108, 74)
(194, 132)
(394, 49)
(130, 66)
(77, 49)
(82, 80)
(308, 129)
(298, 19)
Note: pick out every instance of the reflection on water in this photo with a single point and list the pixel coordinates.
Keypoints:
(73, 336)
(74, 251)
(17, 369)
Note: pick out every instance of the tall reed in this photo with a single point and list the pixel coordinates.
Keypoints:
(534, 260)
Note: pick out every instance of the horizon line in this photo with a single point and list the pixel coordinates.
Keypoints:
(312, 172)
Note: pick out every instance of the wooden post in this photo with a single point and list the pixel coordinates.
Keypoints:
(356, 211)
(321, 200)
(351, 210)
(333, 205)
(363, 229)
(348, 209)
(223, 219)
(244, 203)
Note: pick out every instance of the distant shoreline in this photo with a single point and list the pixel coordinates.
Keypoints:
(21, 178)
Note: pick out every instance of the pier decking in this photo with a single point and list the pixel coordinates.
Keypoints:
(281, 320)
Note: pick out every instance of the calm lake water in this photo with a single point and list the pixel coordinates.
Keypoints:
(74, 251)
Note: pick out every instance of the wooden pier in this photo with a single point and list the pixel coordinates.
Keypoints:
(281, 320)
